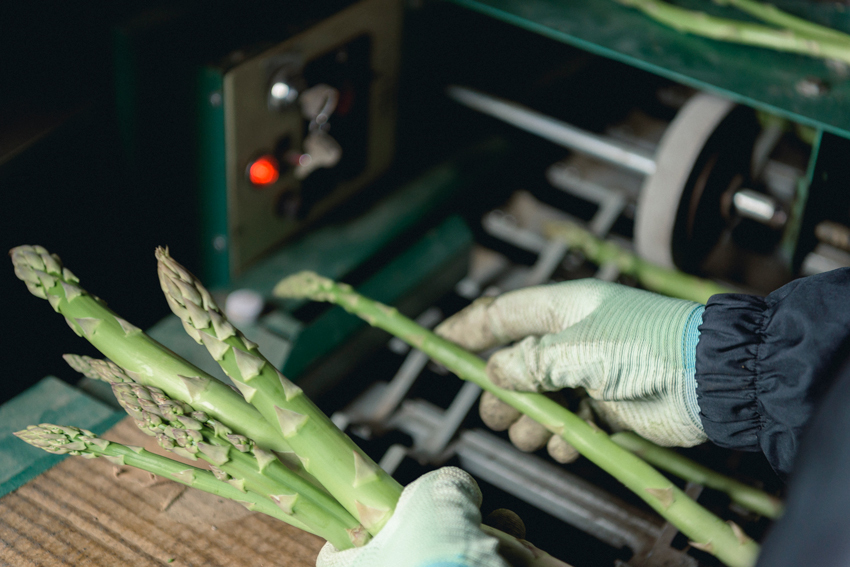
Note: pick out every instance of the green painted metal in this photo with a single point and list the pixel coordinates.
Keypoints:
(212, 177)
(826, 194)
(49, 401)
(760, 78)
(791, 234)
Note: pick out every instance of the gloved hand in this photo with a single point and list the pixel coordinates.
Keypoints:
(631, 350)
(436, 523)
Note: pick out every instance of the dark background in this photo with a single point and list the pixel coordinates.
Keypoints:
(70, 179)
(76, 179)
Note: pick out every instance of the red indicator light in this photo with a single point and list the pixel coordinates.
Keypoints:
(264, 171)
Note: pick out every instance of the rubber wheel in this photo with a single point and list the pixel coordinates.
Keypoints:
(703, 157)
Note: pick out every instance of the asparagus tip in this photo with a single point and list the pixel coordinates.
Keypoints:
(57, 439)
(39, 269)
(303, 285)
(81, 364)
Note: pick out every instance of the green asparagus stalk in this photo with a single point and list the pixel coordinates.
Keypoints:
(706, 531)
(147, 361)
(668, 460)
(360, 485)
(773, 15)
(237, 460)
(736, 31)
(654, 278)
(66, 440)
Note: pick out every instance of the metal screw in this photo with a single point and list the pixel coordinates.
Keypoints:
(282, 94)
(215, 99)
(283, 90)
(811, 87)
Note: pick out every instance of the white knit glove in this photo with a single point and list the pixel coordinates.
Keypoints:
(632, 351)
(435, 524)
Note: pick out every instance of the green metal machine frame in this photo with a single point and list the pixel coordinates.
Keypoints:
(805, 90)
(763, 79)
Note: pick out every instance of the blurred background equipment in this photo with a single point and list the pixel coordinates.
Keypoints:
(420, 151)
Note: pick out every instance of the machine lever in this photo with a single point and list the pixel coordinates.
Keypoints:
(318, 103)
(320, 150)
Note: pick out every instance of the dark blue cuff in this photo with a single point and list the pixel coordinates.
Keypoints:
(726, 361)
(762, 364)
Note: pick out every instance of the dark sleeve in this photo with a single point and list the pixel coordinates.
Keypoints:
(815, 530)
(762, 364)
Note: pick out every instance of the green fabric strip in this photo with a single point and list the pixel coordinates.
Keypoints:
(49, 401)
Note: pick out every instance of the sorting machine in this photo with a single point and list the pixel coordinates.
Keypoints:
(416, 150)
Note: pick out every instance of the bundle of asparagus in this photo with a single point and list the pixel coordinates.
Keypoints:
(269, 448)
(785, 31)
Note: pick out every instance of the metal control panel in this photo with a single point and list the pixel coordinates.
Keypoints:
(305, 124)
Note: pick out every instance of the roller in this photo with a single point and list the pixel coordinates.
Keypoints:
(695, 183)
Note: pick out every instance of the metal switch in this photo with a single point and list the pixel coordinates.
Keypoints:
(320, 150)
(318, 103)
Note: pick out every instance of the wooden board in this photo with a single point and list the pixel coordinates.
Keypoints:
(89, 512)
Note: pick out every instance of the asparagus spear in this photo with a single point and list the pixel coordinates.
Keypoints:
(773, 15)
(735, 31)
(654, 278)
(66, 440)
(239, 461)
(706, 531)
(147, 361)
(666, 459)
(360, 485)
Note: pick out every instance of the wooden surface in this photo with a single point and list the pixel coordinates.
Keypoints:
(88, 512)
